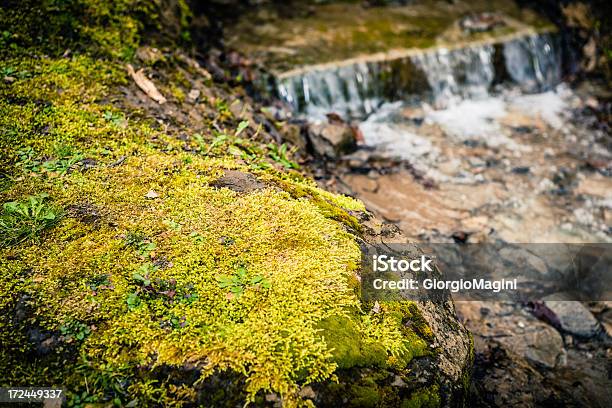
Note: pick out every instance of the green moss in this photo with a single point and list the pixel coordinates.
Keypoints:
(365, 396)
(424, 398)
(336, 207)
(346, 341)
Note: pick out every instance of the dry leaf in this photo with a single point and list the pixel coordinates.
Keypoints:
(151, 194)
(145, 84)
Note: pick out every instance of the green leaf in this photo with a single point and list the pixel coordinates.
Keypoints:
(225, 281)
(241, 126)
(133, 301)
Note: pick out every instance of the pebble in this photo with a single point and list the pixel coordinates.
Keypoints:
(574, 318)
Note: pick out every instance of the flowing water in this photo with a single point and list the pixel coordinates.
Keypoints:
(490, 125)
(443, 75)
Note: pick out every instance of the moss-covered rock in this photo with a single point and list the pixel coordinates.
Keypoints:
(132, 273)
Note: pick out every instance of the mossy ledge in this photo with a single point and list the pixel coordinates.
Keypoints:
(130, 277)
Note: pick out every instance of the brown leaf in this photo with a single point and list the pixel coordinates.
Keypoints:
(145, 84)
(151, 195)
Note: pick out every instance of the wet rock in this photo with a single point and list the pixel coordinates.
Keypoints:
(292, 133)
(515, 331)
(574, 317)
(502, 379)
(525, 261)
(239, 181)
(478, 23)
(521, 170)
(331, 140)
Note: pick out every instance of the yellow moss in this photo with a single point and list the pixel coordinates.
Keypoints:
(130, 280)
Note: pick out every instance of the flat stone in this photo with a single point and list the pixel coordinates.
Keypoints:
(574, 317)
(239, 181)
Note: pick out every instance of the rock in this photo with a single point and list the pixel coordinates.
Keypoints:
(527, 262)
(514, 330)
(595, 186)
(239, 181)
(331, 140)
(398, 382)
(574, 317)
(481, 22)
(193, 95)
(149, 55)
(292, 133)
(606, 321)
(537, 342)
(307, 392)
(474, 224)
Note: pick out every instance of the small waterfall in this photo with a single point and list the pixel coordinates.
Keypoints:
(354, 89)
(457, 74)
(534, 62)
(443, 75)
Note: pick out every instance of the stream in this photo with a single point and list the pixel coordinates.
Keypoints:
(495, 132)
(482, 143)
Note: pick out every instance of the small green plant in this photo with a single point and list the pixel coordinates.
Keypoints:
(222, 107)
(143, 274)
(64, 163)
(99, 282)
(133, 301)
(173, 225)
(219, 140)
(279, 155)
(66, 159)
(116, 118)
(140, 243)
(75, 330)
(239, 281)
(26, 158)
(23, 220)
(241, 126)
(197, 237)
